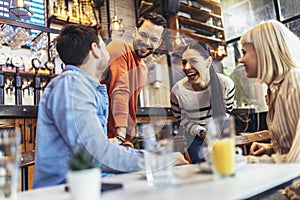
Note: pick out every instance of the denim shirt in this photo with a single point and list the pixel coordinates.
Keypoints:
(73, 112)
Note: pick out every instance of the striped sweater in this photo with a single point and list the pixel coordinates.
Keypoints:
(283, 118)
(192, 108)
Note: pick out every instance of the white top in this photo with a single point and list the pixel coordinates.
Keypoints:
(192, 108)
(249, 180)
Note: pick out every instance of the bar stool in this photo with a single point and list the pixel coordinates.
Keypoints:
(27, 159)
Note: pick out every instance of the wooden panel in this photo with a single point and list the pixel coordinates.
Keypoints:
(7, 123)
(27, 128)
(30, 130)
(20, 127)
(147, 119)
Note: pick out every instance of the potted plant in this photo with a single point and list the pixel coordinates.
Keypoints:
(83, 177)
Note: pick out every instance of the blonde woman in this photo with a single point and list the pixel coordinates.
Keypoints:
(270, 53)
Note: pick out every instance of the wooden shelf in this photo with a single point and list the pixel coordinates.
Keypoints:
(12, 72)
(57, 20)
(210, 3)
(14, 111)
(28, 26)
(210, 40)
(198, 12)
(203, 22)
(199, 24)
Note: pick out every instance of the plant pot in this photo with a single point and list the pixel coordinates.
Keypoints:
(85, 184)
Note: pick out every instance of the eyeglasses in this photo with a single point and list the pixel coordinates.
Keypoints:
(144, 35)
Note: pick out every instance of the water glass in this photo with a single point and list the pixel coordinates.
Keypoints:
(221, 145)
(9, 163)
(158, 143)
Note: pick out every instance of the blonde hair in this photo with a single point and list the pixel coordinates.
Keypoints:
(276, 48)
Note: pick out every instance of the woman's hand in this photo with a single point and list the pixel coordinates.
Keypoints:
(257, 149)
(179, 159)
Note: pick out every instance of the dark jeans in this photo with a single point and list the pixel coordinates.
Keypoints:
(194, 147)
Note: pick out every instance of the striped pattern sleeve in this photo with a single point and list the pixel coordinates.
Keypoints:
(229, 91)
(229, 99)
(291, 114)
(284, 117)
(176, 110)
(193, 121)
(294, 153)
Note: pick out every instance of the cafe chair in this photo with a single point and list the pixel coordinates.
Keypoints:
(246, 139)
(27, 159)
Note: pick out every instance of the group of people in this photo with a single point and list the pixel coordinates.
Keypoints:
(93, 102)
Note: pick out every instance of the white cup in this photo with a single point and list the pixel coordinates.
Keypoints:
(85, 184)
(158, 143)
(9, 163)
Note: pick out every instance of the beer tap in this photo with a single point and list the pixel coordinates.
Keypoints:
(2, 64)
(17, 62)
(36, 64)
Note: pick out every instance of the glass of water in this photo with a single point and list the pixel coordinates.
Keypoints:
(9, 163)
(158, 143)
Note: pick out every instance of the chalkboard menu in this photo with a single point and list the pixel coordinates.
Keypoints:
(37, 8)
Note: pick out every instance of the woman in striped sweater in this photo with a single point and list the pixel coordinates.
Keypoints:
(271, 54)
(201, 94)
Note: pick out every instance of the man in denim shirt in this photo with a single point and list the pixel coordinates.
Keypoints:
(73, 112)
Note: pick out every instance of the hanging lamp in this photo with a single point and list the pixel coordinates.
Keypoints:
(116, 23)
(18, 8)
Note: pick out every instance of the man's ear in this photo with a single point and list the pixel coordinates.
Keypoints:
(95, 50)
(134, 31)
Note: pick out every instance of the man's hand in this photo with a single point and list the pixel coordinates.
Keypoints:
(121, 131)
(179, 159)
(257, 149)
(114, 139)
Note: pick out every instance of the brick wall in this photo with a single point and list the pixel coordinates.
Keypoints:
(124, 9)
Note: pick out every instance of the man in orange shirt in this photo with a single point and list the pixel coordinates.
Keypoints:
(128, 74)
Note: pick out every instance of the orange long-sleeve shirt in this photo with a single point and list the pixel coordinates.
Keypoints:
(128, 76)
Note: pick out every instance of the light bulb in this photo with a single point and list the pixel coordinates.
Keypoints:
(20, 3)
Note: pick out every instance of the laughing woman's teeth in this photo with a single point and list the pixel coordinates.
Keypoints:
(191, 74)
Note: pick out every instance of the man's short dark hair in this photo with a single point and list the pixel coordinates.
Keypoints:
(154, 18)
(74, 43)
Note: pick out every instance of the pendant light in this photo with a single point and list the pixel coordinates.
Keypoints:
(18, 8)
(116, 23)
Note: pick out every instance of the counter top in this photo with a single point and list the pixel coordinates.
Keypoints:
(249, 181)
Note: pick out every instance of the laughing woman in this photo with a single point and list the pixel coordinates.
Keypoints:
(201, 94)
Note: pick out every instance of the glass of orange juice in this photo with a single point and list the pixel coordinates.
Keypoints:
(221, 144)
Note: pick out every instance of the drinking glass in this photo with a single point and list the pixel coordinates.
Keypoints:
(9, 163)
(221, 144)
(158, 143)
